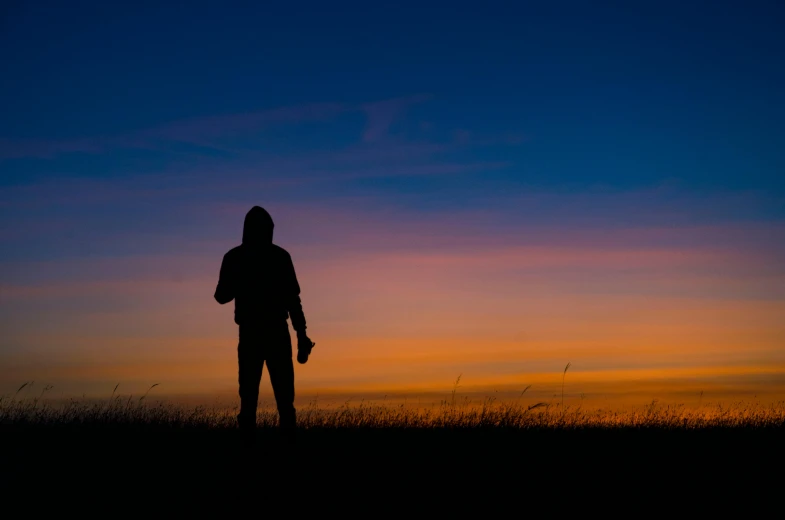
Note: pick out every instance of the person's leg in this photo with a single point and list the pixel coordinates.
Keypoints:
(250, 360)
(278, 353)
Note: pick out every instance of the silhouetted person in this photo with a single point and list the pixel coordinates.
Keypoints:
(259, 276)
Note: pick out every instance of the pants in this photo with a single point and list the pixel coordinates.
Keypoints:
(271, 343)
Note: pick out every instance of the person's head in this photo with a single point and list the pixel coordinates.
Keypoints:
(258, 227)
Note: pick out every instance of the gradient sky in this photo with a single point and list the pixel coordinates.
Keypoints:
(487, 189)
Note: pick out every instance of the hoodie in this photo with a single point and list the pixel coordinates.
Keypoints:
(259, 276)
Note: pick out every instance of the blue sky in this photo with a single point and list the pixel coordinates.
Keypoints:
(693, 89)
(133, 132)
(420, 107)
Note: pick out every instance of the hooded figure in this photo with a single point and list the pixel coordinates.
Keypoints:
(259, 276)
(258, 228)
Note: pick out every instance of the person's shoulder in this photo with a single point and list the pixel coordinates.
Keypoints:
(233, 253)
(280, 252)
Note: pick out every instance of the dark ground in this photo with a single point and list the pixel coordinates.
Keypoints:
(441, 469)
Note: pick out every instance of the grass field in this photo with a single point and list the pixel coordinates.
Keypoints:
(456, 447)
(453, 414)
(456, 443)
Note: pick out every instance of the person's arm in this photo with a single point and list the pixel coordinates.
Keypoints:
(224, 292)
(293, 303)
(295, 308)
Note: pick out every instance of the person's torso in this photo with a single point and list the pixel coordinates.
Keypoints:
(260, 280)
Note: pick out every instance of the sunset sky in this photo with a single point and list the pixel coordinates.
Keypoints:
(484, 189)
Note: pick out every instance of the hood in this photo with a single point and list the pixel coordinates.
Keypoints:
(258, 228)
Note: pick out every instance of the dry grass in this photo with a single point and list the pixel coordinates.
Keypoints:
(454, 413)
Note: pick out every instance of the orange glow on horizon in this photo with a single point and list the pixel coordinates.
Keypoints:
(631, 320)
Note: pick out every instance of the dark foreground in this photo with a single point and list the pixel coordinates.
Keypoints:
(442, 468)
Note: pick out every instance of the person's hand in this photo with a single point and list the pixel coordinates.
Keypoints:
(304, 346)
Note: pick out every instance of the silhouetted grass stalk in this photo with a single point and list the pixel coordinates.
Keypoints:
(123, 411)
(564, 374)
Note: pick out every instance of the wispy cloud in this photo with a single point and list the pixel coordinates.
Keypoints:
(201, 130)
(215, 131)
(45, 149)
(382, 114)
